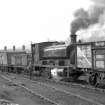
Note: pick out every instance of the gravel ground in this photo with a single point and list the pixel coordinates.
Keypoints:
(11, 94)
(98, 96)
(76, 96)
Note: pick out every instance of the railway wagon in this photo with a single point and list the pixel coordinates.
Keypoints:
(98, 63)
(13, 61)
(91, 59)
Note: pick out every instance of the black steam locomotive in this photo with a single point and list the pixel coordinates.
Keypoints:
(75, 59)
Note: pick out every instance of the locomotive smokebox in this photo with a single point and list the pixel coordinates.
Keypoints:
(73, 38)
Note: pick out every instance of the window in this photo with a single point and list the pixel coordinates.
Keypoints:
(99, 64)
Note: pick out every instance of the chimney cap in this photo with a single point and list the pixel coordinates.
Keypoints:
(73, 34)
(73, 38)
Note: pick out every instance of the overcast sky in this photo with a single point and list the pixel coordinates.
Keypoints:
(23, 21)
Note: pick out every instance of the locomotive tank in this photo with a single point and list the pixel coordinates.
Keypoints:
(56, 51)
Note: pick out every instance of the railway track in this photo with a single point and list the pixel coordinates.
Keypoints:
(29, 90)
(66, 83)
(26, 97)
(52, 89)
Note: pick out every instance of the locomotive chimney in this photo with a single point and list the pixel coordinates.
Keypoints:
(14, 48)
(5, 48)
(73, 38)
(23, 47)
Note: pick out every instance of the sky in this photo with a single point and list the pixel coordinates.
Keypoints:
(26, 21)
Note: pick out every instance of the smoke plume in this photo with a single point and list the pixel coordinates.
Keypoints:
(99, 2)
(86, 18)
(81, 20)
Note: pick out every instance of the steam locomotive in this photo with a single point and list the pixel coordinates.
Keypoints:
(75, 59)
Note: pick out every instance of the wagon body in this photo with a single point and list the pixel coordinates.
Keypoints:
(84, 55)
(13, 58)
(3, 58)
(98, 58)
(17, 58)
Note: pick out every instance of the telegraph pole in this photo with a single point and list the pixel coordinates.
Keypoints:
(31, 65)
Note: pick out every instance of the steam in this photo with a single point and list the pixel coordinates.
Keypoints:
(99, 2)
(86, 18)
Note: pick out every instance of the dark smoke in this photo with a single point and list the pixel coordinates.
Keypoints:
(84, 19)
(94, 13)
(81, 20)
